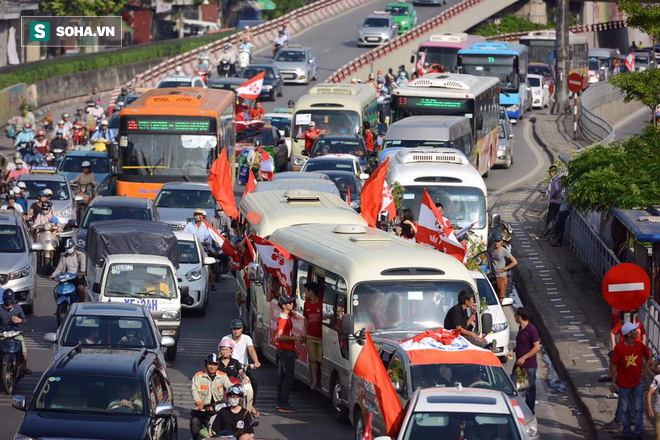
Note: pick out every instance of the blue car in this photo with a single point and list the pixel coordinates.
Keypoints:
(71, 167)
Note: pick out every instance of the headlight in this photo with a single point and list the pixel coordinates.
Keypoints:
(514, 108)
(501, 147)
(267, 87)
(194, 275)
(66, 212)
(532, 428)
(20, 273)
(174, 315)
(23, 437)
(103, 186)
(500, 327)
(360, 33)
(298, 161)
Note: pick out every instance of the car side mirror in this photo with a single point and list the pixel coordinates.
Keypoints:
(96, 288)
(364, 176)
(19, 403)
(209, 261)
(164, 410)
(35, 247)
(511, 136)
(507, 302)
(486, 323)
(72, 223)
(50, 337)
(167, 341)
(495, 221)
(347, 324)
(304, 153)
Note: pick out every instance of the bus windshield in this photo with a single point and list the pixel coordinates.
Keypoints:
(404, 305)
(176, 155)
(447, 57)
(332, 121)
(540, 51)
(404, 106)
(462, 205)
(504, 67)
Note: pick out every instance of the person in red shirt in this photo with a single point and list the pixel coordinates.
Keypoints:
(368, 136)
(241, 110)
(257, 112)
(311, 135)
(616, 330)
(627, 370)
(313, 314)
(285, 343)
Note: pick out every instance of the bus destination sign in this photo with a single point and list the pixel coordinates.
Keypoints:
(168, 125)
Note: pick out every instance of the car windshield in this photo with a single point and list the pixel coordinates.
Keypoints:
(534, 82)
(11, 240)
(110, 331)
(290, 56)
(540, 70)
(73, 164)
(185, 198)
(397, 10)
(454, 425)
(468, 375)
(99, 213)
(331, 121)
(462, 205)
(345, 184)
(321, 165)
(373, 22)
(279, 122)
(486, 291)
(252, 135)
(90, 394)
(502, 132)
(251, 72)
(34, 187)
(500, 66)
(407, 305)
(354, 147)
(140, 283)
(593, 64)
(173, 84)
(188, 253)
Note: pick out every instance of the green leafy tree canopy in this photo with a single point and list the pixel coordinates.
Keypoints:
(83, 7)
(640, 86)
(643, 16)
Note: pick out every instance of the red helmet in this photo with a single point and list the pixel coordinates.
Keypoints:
(41, 133)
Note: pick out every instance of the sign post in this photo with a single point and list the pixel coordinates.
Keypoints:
(626, 287)
(575, 86)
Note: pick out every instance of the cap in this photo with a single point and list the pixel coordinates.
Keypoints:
(86, 164)
(104, 122)
(212, 358)
(22, 185)
(227, 343)
(628, 327)
(311, 285)
(284, 299)
(496, 236)
(311, 124)
(236, 323)
(48, 192)
(199, 212)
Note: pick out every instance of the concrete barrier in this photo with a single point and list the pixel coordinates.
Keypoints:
(11, 99)
(458, 18)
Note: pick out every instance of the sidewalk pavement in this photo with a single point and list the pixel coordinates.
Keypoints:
(567, 305)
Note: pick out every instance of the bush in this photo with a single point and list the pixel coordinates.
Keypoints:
(509, 24)
(67, 66)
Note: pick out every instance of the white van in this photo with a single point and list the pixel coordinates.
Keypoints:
(267, 211)
(449, 179)
(369, 280)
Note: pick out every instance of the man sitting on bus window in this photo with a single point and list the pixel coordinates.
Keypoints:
(368, 136)
(311, 135)
(457, 319)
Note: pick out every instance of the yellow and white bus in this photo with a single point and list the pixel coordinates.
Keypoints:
(335, 108)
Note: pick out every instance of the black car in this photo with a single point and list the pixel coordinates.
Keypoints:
(273, 82)
(102, 394)
(349, 186)
(231, 83)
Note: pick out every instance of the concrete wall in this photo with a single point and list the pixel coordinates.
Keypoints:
(11, 99)
(616, 110)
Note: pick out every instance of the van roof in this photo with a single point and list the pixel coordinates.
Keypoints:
(368, 254)
(270, 210)
(472, 400)
(316, 185)
(332, 96)
(433, 128)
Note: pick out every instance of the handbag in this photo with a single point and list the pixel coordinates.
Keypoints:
(522, 382)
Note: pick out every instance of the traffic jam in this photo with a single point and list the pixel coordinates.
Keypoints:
(353, 224)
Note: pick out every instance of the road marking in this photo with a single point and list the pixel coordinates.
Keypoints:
(327, 50)
(625, 287)
(555, 299)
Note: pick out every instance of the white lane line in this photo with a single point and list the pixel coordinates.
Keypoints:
(591, 361)
(564, 311)
(579, 334)
(555, 299)
(583, 340)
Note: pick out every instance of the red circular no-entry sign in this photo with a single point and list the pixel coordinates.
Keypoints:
(626, 286)
(575, 82)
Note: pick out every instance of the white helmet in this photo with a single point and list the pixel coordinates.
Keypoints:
(48, 192)
(86, 164)
(178, 69)
(104, 122)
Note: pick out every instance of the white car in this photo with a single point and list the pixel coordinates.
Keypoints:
(181, 81)
(194, 271)
(452, 413)
(339, 162)
(500, 332)
(540, 91)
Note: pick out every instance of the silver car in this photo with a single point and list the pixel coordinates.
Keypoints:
(378, 28)
(177, 201)
(194, 270)
(296, 64)
(63, 203)
(18, 261)
(505, 144)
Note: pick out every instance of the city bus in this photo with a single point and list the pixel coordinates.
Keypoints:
(441, 94)
(610, 61)
(171, 135)
(335, 108)
(541, 46)
(506, 61)
(443, 49)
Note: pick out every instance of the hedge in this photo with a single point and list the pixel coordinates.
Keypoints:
(32, 73)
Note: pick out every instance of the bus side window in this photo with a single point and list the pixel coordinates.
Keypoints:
(302, 274)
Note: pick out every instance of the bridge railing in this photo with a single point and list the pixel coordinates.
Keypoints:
(577, 29)
(591, 126)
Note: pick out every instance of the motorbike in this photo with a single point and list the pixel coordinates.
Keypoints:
(65, 294)
(101, 144)
(204, 74)
(244, 59)
(49, 237)
(58, 155)
(206, 414)
(83, 195)
(226, 69)
(78, 133)
(24, 147)
(276, 48)
(11, 354)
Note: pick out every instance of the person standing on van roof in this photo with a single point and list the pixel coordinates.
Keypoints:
(313, 314)
(285, 343)
(368, 136)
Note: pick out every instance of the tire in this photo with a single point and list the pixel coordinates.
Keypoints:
(8, 380)
(359, 425)
(508, 163)
(341, 412)
(47, 265)
(171, 352)
(60, 313)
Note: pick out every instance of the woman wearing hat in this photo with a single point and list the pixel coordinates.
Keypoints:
(498, 257)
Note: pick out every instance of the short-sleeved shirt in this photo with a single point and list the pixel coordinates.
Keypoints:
(525, 340)
(310, 137)
(314, 314)
(240, 352)
(36, 210)
(234, 422)
(232, 368)
(256, 113)
(641, 331)
(656, 398)
(498, 260)
(284, 327)
(630, 362)
(369, 140)
(456, 316)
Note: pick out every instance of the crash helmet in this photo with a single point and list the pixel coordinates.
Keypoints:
(235, 390)
(212, 358)
(86, 164)
(227, 343)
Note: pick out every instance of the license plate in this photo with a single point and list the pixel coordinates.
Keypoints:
(373, 39)
(289, 76)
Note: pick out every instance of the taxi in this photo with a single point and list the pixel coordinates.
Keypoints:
(404, 15)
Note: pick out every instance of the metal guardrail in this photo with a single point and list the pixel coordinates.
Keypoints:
(577, 29)
(591, 126)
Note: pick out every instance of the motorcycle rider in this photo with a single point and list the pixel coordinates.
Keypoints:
(73, 261)
(68, 124)
(45, 216)
(228, 54)
(40, 142)
(59, 142)
(234, 418)
(13, 318)
(178, 71)
(21, 198)
(80, 116)
(122, 96)
(204, 66)
(20, 170)
(285, 29)
(86, 181)
(26, 135)
(62, 127)
(37, 206)
(234, 370)
(11, 203)
(33, 157)
(103, 133)
(208, 388)
(246, 45)
(97, 111)
(280, 42)
(243, 351)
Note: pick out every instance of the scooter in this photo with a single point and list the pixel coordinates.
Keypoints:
(206, 414)
(83, 195)
(244, 59)
(48, 236)
(205, 75)
(276, 48)
(226, 69)
(11, 355)
(65, 294)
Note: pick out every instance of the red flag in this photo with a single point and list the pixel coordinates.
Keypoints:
(370, 368)
(630, 61)
(251, 184)
(251, 88)
(435, 230)
(348, 195)
(388, 202)
(250, 249)
(221, 186)
(371, 199)
(227, 248)
(267, 166)
(367, 427)
(277, 260)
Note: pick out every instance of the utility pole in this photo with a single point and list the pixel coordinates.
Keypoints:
(561, 60)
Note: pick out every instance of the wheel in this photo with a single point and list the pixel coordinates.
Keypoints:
(61, 312)
(507, 165)
(8, 379)
(359, 425)
(171, 352)
(341, 412)
(48, 264)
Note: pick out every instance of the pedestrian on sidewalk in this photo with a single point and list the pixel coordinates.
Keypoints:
(653, 405)
(499, 255)
(562, 216)
(627, 370)
(527, 345)
(285, 343)
(313, 314)
(554, 199)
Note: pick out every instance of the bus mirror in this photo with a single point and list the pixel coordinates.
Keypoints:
(123, 142)
(495, 221)
(486, 323)
(347, 324)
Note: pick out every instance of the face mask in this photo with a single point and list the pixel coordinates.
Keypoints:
(233, 401)
(19, 166)
(198, 220)
(69, 251)
(7, 302)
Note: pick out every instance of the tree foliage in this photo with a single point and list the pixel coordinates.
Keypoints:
(622, 174)
(511, 23)
(83, 7)
(643, 16)
(641, 86)
(284, 7)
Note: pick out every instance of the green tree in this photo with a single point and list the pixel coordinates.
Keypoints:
(641, 86)
(623, 174)
(83, 7)
(643, 16)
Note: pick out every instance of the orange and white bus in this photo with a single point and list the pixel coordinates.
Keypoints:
(170, 135)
